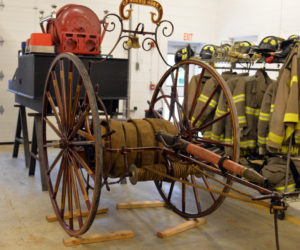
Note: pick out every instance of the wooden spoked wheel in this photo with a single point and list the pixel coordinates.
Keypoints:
(70, 130)
(189, 93)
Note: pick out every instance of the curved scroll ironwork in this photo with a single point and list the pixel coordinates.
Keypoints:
(165, 27)
(165, 34)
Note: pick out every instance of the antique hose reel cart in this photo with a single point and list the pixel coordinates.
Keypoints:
(193, 174)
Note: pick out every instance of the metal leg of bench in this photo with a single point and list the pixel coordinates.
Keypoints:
(25, 135)
(39, 140)
(33, 153)
(17, 136)
(21, 129)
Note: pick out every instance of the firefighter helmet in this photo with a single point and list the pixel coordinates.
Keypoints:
(242, 47)
(184, 54)
(270, 44)
(207, 51)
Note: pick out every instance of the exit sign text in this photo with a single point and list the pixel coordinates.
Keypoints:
(188, 36)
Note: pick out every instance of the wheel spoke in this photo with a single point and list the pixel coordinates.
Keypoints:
(50, 99)
(87, 125)
(70, 198)
(77, 202)
(70, 91)
(63, 91)
(196, 194)
(171, 191)
(183, 187)
(59, 175)
(79, 122)
(63, 195)
(88, 136)
(55, 161)
(186, 88)
(81, 183)
(211, 122)
(76, 101)
(208, 186)
(173, 93)
(58, 98)
(167, 103)
(82, 143)
(82, 163)
(197, 93)
(55, 129)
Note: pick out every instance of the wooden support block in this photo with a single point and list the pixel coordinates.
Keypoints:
(141, 204)
(52, 217)
(94, 238)
(181, 227)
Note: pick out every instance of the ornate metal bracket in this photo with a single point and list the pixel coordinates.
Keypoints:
(164, 27)
(151, 3)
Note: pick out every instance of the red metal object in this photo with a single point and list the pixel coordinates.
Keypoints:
(40, 39)
(270, 59)
(152, 86)
(76, 29)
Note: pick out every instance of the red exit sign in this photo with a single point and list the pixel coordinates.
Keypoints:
(188, 36)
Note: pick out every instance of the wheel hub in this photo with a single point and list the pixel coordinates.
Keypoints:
(64, 143)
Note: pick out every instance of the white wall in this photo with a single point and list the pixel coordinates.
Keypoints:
(19, 19)
(257, 17)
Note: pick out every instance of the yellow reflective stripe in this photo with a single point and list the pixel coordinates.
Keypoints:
(220, 112)
(204, 99)
(297, 139)
(288, 132)
(264, 116)
(298, 126)
(242, 119)
(248, 144)
(252, 111)
(291, 117)
(294, 79)
(228, 141)
(207, 134)
(294, 150)
(275, 138)
(213, 102)
(290, 188)
(215, 137)
(262, 140)
(239, 98)
(198, 123)
(272, 108)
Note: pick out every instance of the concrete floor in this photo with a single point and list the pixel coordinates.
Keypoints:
(235, 225)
